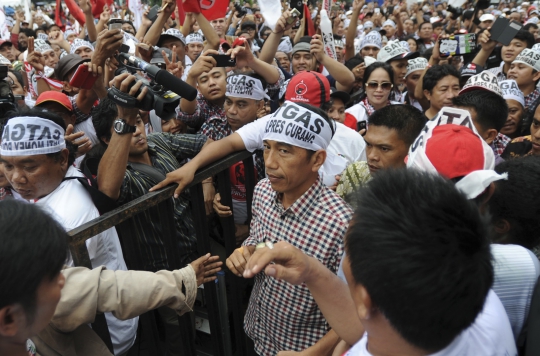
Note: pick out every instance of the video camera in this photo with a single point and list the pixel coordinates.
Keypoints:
(164, 89)
(7, 99)
(242, 11)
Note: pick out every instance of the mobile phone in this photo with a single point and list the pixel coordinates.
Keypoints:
(294, 15)
(153, 13)
(298, 5)
(115, 24)
(377, 10)
(361, 125)
(224, 60)
(457, 45)
(504, 30)
(82, 78)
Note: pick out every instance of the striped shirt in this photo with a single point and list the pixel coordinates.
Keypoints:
(166, 152)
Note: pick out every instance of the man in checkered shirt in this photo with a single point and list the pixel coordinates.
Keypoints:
(292, 205)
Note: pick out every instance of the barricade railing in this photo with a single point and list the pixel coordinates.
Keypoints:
(121, 217)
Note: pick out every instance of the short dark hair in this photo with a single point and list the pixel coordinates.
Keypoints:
(407, 120)
(20, 243)
(376, 65)
(352, 62)
(28, 32)
(41, 113)
(436, 73)
(516, 200)
(491, 109)
(103, 116)
(530, 25)
(437, 24)
(424, 23)
(431, 247)
(49, 27)
(525, 36)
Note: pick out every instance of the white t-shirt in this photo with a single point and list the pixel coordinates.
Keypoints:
(489, 335)
(414, 102)
(87, 126)
(348, 144)
(252, 135)
(360, 113)
(71, 205)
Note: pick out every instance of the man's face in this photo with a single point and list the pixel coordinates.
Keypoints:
(292, 33)
(170, 42)
(283, 60)
(126, 27)
(384, 148)
(510, 52)
(23, 41)
(412, 81)
(513, 121)
(337, 110)
(408, 25)
(53, 28)
(34, 177)
(426, 31)
(522, 74)
(437, 30)
(442, 94)
(173, 126)
(287, 167)
(302, 61)
(390, 30)
(16, 87)
(193, 50)
(51, 58)
(400, 69)
(84, 52)
(515, 16)
(219, 26)
(339, 55)
(47, 297)
(534, 32)
(370, 51)
(3, 180)
(212, 85)
(71, 37)
(241, 111)
(8, 51)
(535, 132)
(340, 29)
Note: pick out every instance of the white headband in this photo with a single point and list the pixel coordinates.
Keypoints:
(415, 64)
(511, 91)
(78, 43)
(298, 126)
(41, 46)
(471, 184)
(243, 86)
(29, 136)
(194, 38)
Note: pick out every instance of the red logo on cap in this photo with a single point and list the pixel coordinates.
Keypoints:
(300, 88)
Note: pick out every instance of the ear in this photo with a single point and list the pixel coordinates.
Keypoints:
(12, 320)
(502, 227)
(536, 76)
(66, 87)
(427, 94)
(317, 160)
(362, 301)
(64, 158)
(490, 135)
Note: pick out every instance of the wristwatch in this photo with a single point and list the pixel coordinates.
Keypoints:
(121, 127)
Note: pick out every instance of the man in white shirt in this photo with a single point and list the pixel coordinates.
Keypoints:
(38, 165)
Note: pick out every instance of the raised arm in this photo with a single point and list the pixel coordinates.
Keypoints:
(271, 44)
(488, 46)
(351, 31)
(152, 36)
(212, 38)
(343, 76)
(86, 7)
(245, 58)
(188, 22)
(203, 64)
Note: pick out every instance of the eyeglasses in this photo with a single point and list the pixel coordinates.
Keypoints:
(384, 86)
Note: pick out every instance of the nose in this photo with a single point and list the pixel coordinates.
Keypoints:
(233, 109)
(372, 156)
(18, 176)
(138, 131)
(270, 160)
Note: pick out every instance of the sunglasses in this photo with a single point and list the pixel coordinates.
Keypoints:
(374, 86)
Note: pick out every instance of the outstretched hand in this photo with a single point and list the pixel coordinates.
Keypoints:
(206, 268)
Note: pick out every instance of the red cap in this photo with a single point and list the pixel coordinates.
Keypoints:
(55, 96)
(5, 41)
(309, 88)
(455, 151)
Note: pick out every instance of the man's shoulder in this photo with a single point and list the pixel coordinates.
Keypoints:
(336, 208)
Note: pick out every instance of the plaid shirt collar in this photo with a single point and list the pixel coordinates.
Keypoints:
(531, 98)
(303, 204)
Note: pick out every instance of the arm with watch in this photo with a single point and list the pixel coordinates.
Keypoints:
(112, 167)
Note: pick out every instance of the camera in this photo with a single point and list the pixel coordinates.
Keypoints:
(7, 99)
(455, 11)
(241, 10)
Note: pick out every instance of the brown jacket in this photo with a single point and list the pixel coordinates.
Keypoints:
(126, 294)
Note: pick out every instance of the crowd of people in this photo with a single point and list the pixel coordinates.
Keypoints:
(395, 209)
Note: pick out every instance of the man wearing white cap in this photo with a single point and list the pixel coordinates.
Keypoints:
(37, 141)
(525, 70)
(415, 68)
(82, 48)
(371, 44)
(390, 27)
(516, 108)
(397, 56)
(194, 45)
(486, 20)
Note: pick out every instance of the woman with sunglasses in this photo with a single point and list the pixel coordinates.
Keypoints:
(378, 83)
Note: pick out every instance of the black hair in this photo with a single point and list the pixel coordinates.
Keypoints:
(19, 75)
(130, 23)
(516, 200)
(434, 74)
(51, 26)
(424, 23)
(43, 28)
(44, 114)
(427, 53)
(467, 15)
(371, 68)
(407, 120)
(321, 113)
(421, 250)
(437, 24)
(530, 25)
(103, 116)
(525, 36)
(352, 62)
(491, 109)
(28, 32)
(33, 248)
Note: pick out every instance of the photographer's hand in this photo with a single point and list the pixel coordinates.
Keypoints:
(122, 83)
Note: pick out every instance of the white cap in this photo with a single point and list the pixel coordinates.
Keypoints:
(368, 24)
(510, 91)
(416, 64)
(487, 17)
(372, 39)
(533, 20)
(391, 50)
(529, 57)
(389, 23)
(482, 81)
